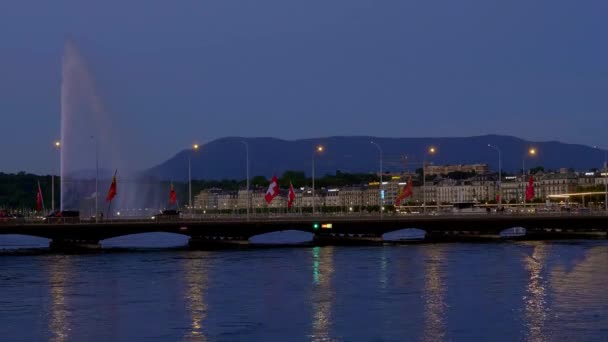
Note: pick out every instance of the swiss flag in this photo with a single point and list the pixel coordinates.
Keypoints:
(39, 199)
(273, 190)
(406, 192)
(530, 189)
(112, 190)
(291, 196)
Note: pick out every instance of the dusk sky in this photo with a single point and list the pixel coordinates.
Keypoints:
(174, 72)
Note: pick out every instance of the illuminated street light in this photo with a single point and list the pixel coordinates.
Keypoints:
(531, 152)
(195, 148)
(57, 145)
(430, 151)
(381, 198)
(318, 149)
(499, 173)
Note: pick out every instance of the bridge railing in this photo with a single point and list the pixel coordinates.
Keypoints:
(288, 216)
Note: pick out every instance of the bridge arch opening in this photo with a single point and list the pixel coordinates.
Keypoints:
(513, 232)
(282, 237)
(406, 234)
(146, 240)
(19, 241)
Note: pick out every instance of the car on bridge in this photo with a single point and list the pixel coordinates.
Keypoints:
(167, 215)
(63, 216)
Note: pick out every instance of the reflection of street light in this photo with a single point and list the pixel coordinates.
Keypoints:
(195, 148)
(57, 145)
(318, 149)
(381, 199)
(499, 174)
(430, 151)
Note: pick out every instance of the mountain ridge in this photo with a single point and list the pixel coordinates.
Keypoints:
(224, 158)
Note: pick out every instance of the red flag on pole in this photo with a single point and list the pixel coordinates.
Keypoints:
(172, 195)
(530, 189)
(273, 190)
(291, 197)
(39, 203)
(406, 192)
(112, 191)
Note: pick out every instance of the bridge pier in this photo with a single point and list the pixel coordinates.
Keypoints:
(212, 242)
(67, 245)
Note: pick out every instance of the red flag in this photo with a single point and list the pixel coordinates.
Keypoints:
(172, 195)
(112, 191)
(39, 198)
(291, 197)
(530, 189)
(406, 192)
(273, 190)
(498, 198)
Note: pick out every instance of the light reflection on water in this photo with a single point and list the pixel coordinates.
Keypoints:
(322, 295)
(59, 271)
(432, 292)
(196, 282)
(535, 299)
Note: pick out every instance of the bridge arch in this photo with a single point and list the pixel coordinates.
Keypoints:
(282, 237)
(16, 241)
(146, 240)
(405, 234)
(513, 232)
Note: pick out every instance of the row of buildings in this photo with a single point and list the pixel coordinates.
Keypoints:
(483, 187)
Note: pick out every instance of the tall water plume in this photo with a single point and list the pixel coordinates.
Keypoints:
(90, 141)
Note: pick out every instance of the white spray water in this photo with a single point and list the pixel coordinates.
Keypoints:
(89, 139)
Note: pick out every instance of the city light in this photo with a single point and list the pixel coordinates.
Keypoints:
(195, 147)
(57, 144)
(532, 151)
(320, 148)
(432, 150)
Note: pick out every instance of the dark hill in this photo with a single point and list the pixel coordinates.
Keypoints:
(225, 158)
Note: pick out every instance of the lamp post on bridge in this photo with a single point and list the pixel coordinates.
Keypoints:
(531, 152)
(381, 198)
(57, 146)
(247, 173)
(318, 149)
(605, 178)
(96, 178)
(195, 148)
(499, 174)
(430, 151)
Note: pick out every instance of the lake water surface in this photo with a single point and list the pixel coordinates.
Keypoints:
(510, 291)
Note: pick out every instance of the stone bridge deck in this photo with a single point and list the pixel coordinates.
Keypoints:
(343, 228)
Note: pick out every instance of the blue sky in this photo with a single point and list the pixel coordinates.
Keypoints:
(173, 72)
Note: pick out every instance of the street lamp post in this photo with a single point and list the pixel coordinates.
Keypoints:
(57, 145)
(531, 152)
(247, 173)
(381, 198)
(194, 149)
(605, 179)
(96, 178)
(317, 149)
(431, 150)
(499, 174)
